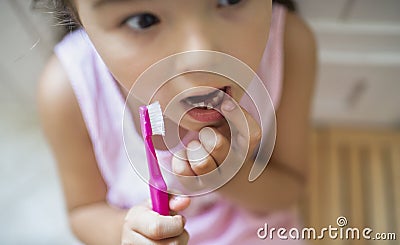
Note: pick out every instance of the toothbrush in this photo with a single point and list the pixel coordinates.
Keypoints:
(152, 123)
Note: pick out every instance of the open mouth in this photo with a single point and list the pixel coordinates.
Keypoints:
(208, 101)
(203, 107)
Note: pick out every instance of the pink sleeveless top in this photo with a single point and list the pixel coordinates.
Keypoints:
(210, 218)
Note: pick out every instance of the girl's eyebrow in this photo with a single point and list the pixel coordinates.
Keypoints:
(101, 3)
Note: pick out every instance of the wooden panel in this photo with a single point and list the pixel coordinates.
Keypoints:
(313, 188)
(363, 169)
(335, 177)
(395, 163)
(357, 204)
(379, 216)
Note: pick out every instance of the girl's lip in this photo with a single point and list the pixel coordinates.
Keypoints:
(207, 115)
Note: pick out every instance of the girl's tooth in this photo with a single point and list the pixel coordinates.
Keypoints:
(209, 103)
(215, 99)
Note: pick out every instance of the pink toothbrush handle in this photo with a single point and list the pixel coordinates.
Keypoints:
(158, 187)
(159, 200)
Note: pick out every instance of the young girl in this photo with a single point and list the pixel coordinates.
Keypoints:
(82, 93)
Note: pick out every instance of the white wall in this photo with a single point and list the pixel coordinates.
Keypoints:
(26, 41)
(359, 77)
(32, 210)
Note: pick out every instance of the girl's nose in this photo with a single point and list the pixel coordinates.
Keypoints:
(196, 60)
(193, 44)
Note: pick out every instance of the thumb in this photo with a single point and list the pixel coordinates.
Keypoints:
(178, 203)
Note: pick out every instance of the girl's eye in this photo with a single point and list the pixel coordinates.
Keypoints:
(223, 3)
(142, 21)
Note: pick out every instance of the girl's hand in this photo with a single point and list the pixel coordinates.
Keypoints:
(207, 154)
(144, 226)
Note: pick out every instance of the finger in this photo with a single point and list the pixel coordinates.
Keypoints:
(180, 165)
(178, 203)
(181, 239)
(200, 160)
(153, 225)
(184, 173)
(215, 143)
(130, 237)
(249, 131)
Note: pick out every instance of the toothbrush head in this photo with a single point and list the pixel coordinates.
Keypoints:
(156, 118)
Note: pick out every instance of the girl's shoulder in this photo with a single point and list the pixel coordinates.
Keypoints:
(298, 35)
(67, 134)
(55, 94)
(293, 114)
(59, 110)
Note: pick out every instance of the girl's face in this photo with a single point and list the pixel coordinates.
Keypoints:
(131, 35)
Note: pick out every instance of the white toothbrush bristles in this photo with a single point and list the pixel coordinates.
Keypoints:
(156, 118)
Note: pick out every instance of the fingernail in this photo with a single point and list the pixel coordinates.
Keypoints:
(194, 145)
(179, 168)
(176, 198)
(228, 105)
(196, 153)
(207, 135)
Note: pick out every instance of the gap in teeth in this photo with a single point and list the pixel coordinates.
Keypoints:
(208, 103)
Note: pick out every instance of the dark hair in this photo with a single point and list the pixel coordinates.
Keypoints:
(63, 11)
(289, 4)
(66, 14)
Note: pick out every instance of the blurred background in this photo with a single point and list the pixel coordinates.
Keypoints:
(355, 147)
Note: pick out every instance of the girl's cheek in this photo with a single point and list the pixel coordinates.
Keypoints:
(127, 58)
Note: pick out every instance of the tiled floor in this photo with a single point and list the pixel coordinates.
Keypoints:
(31, 201)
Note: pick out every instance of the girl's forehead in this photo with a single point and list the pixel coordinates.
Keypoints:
(102, 3)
